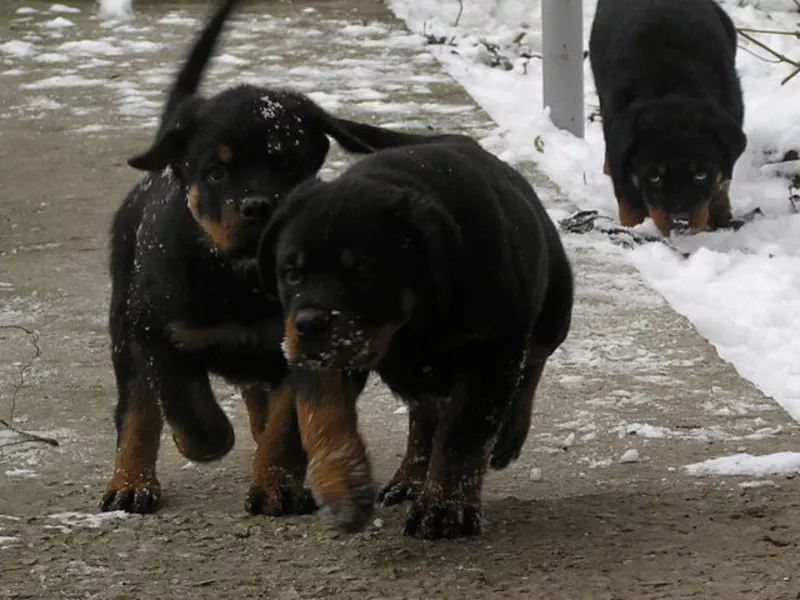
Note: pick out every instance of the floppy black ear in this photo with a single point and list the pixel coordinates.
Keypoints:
(265, 255)
(729, 133)
(441, 240)
(369, 136)
(171, 139)
(620, 141)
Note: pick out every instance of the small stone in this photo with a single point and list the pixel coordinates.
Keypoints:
(630, 456)
(378, 523)
(535, 474)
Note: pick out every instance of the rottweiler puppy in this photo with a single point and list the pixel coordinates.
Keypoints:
(437, 267)
(672, 109)
(186, 298)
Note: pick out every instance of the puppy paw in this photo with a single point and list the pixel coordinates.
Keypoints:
(350, 513)
(204, 440)
(281, 494)
(140, 494)
(399, 490)
(432, 519)
(507, 448)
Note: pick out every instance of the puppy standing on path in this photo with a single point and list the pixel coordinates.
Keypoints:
(186, 298)
(672, 109)
(437, 266)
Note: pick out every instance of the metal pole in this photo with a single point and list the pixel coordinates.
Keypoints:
(562, 41)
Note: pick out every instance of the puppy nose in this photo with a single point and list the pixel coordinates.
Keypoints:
(311, 321)
(255, 207)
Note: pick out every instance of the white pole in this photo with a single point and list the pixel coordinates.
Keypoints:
(562, 41)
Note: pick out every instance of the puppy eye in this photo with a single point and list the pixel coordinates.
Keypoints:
(293, 276)
(215, 174)
(654, 179)
(700, 177)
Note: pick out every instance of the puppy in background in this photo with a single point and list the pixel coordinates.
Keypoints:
(672, 109)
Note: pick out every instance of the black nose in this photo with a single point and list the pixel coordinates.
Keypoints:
(255, 207)
(311, 321)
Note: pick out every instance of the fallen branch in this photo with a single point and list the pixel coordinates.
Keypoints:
(8, 423)
(460, 10)
(745, 33)
(585, 221)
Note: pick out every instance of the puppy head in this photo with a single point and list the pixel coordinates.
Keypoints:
(676, 152)
(236, 155)
(352, 263)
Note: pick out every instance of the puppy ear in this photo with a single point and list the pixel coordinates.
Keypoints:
(360, 137)
(440, 238)
(619, 145)
(171, 139)
(265, 255)
(728, 132)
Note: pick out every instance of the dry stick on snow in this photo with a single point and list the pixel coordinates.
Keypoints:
(781, 57)
(460, 10)
(27, 437)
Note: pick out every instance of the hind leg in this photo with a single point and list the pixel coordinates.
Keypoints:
(410, 476)
(134, 487)
(514, 432)
(279, 468)
(256, 399)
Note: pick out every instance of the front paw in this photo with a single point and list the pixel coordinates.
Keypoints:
(433, 517)
(138, 493)
(399, 489)
(278, 495)
(183, 336)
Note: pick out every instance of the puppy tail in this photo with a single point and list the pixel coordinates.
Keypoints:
(191, 73)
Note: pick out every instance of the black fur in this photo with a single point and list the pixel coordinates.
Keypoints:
(437, 266)
(186, 299)
(671, 103)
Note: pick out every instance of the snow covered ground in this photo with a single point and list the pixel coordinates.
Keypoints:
(740, 290)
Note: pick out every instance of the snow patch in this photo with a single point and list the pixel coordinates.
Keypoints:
(747, 464)
(116, 9)
(17, 48)
(22, 473)
(57, 23)
(89, 520)
(63, 8)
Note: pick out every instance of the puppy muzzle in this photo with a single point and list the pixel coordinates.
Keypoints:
(318, 339)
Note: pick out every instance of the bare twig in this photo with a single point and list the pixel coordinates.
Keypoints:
(790, 76)
(770, 31)
(460, 10)
(27, 437)
(774, 53)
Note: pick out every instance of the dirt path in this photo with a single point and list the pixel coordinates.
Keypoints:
(633, 375)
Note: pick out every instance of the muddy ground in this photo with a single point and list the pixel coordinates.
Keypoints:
(633, 375)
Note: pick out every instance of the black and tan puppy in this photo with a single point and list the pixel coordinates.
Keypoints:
(672, 109)
(186, 298)
(436, 266)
